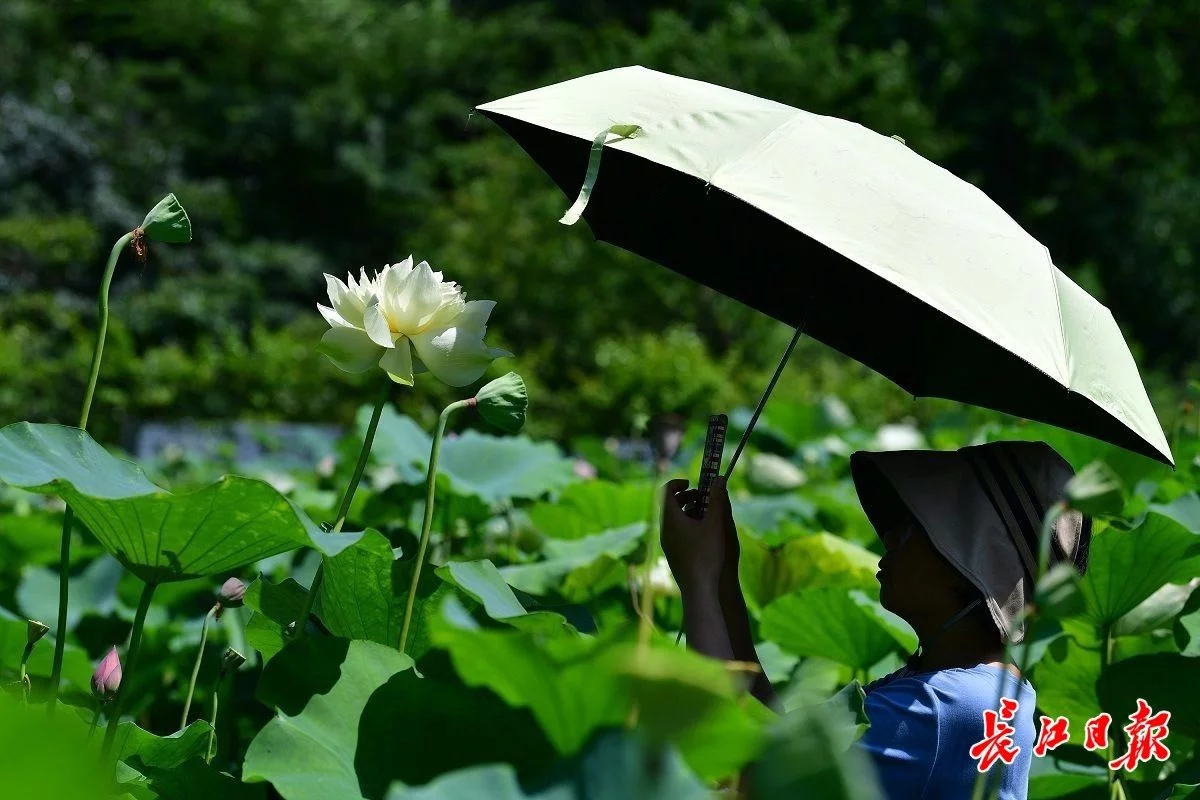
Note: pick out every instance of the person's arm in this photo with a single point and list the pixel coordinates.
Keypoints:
(704, 624)
(733, 603)
(703, 555)
(737, 625)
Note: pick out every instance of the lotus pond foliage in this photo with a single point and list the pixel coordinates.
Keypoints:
(476, 612)
(475, 627)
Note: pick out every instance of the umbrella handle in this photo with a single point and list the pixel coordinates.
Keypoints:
(763, 400)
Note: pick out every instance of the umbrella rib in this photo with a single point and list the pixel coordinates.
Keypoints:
(1062, 331)
(749, 151)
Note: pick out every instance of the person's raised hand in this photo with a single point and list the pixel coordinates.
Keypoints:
(697, 549)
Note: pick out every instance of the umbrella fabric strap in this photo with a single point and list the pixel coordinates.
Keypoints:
(593, 169)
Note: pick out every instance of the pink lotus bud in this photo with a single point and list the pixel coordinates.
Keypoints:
(231, 593)
(584, 469)
(106, 678)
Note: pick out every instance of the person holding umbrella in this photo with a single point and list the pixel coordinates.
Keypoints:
(852, 237)
(960, 531)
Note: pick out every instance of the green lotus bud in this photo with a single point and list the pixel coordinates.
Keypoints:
(35, 632)
(1096, 491)
(167, 222)
(503, 402)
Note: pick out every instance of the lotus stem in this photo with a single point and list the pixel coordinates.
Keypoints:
(646, 610)
(347, 497)
(187, 705)
(512, 533)
(95, 720)
(447, 525)
(210, 750)
(64, 561)
(430, 490)
(1116, 786)
(25, 654)
(135, 645)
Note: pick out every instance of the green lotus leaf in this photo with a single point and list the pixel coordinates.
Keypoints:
(589, 507)
(158, 535)
(400, 443)
(1166, 681)
(810, 753)
(501, 468)
(567, 681)
(193, 779)
(566, 555)
(829, 623)
(803, 562)
(493, 468)
(1127, 567)
(615, 766)
(308, 750)
(275, 607)
(365, 592)
(483, 582)
(353, 718)
(48, 755)
(1066, 684)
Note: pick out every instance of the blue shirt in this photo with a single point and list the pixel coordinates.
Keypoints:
(923, 726)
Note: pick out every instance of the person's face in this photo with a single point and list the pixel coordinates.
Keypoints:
(915, 581)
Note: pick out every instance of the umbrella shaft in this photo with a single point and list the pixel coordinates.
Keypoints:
(763, 401)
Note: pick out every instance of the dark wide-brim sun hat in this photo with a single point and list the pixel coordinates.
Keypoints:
(982, 507)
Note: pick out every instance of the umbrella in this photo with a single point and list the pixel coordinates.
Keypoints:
(843, 233)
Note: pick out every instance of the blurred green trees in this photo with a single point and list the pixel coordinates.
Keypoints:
(310, 136)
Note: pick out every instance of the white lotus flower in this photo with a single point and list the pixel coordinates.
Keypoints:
(382, 319)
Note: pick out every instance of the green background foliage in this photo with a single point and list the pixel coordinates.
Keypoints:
(324, 135)
(310, 136)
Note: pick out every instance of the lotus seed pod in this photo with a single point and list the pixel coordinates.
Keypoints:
(35, 632)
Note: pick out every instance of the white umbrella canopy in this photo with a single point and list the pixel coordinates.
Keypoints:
(844, 232)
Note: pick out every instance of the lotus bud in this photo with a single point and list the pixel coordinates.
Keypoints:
(167, 222)
(232, 592)
(231, 660)
(106, 678)
(35, 632)
(583, 469)
(503, 402)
